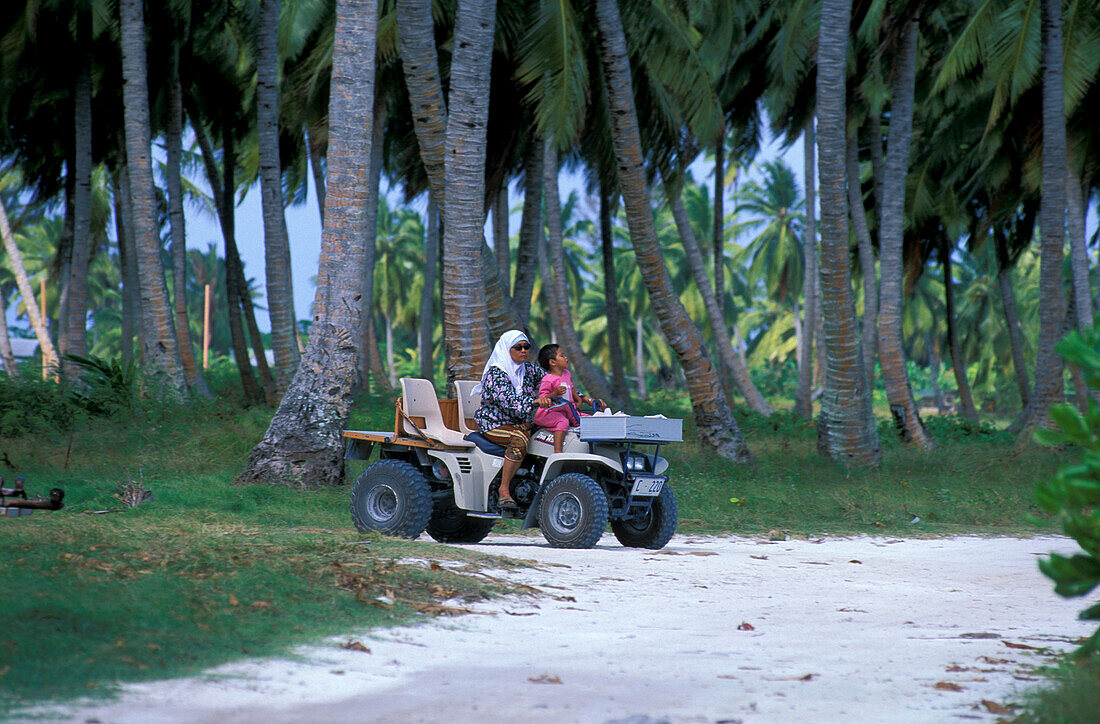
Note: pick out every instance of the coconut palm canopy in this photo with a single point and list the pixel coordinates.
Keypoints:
(952, 145)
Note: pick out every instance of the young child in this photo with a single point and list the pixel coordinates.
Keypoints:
(557, 385)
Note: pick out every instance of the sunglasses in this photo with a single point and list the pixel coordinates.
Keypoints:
(522, 347)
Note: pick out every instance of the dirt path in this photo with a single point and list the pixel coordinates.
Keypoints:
(706, 630)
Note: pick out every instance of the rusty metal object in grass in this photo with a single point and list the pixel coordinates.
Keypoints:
(14, 501)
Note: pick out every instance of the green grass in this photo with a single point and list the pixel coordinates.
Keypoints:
(1074, 698)
(204, 573)
(209, 571)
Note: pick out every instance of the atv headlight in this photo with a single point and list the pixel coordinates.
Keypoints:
(636, 463)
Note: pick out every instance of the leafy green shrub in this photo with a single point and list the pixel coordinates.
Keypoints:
(105, 386)
(29, 405)
(955, 427)
(1073, 495)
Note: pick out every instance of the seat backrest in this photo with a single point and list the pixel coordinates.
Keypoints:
(420, 402)
(468, 403)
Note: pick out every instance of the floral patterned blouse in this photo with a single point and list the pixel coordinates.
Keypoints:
(502, 405)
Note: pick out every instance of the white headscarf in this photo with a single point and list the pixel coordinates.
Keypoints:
(502, 358)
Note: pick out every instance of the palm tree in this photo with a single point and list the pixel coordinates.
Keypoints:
(280, 291)
(302, 446)
(803, 406)
(558, 294)
(428, 298)
(891, 352)
(730, 360)
(464, 306)
(714, 419)
(173, 142)
(160, 352)
(1048, 364)
(607, 249)
(15, 261)
(847, 422)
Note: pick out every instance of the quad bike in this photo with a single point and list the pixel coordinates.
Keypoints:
(437, 473)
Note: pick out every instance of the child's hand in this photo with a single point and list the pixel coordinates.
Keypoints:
(543, 402)
(560, 391)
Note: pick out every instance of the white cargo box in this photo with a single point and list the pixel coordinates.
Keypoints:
(630, 428)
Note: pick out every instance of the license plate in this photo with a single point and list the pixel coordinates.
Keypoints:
(646, 486)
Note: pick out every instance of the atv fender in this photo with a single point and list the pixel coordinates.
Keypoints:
(471, 473)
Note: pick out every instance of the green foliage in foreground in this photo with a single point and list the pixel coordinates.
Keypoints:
(1074, 699)
(1073, 495)
(207, 571)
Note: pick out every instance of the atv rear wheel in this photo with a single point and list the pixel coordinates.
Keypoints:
(391, 497)
(450, 524)
(573, 511)
(653, 531)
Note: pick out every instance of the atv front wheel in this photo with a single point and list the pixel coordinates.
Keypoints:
(391, 497)
(655, 529)
(451, 525)
(573, 511)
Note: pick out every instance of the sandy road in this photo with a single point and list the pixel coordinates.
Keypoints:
(706, 630)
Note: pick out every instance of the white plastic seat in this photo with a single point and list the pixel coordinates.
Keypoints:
(468, 403)
(419, 400)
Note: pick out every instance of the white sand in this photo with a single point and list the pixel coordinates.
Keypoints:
(842, 630)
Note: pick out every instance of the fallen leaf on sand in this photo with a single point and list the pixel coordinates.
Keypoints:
(1011, 645)
(759, 558)
(436, 567)
(981, 635)
(702, 553)
(990, 660)
(856, 560)
(956, 667)
(544, 679)
(994, 708)
(511, 613)
(746, 626)
(947, 686)
(355, 646)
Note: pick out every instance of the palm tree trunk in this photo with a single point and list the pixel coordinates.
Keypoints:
(935, 363)
(427, 299)
(1049, 387)
(866, 261)
(895, 374)
(966, 400)
(371, 363)
(302, 447)
(847, 431)
(317, 166)
(464, 307)
(588, 374)
(234, 265)
(639, 357)
(714, 422)
(499, 309)
(1079, 255)
(803, 405)
(1012, 320)
(223, 202)
(280, 288)
(611, 296)
(160, 351)
(501, 246)
(390, 365)
(416, 40)
(530, 231)
(174, 142)
(730, 360)
(19, 271)
(125, 261)
(74, 318)
(718, 238)
(7, 356)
